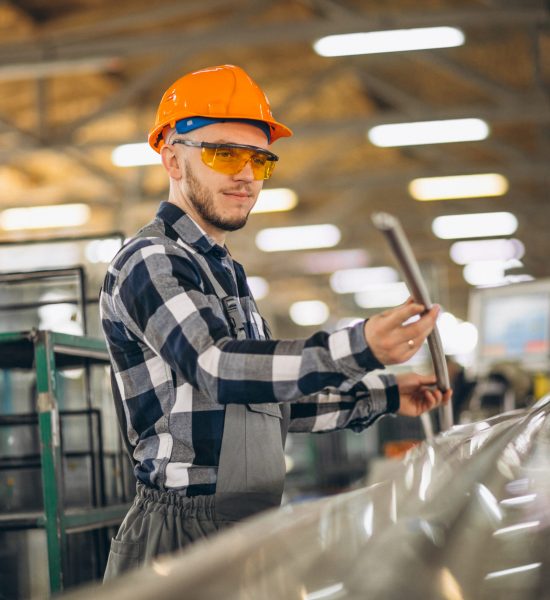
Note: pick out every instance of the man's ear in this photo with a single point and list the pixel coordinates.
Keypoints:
(170, 162)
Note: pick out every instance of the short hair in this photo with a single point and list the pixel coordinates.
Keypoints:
(168, 134)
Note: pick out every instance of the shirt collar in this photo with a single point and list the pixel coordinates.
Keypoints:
(188, 230)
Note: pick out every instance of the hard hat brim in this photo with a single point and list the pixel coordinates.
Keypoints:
(277, 130)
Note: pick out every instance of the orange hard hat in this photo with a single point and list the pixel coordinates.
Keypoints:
(223, 92)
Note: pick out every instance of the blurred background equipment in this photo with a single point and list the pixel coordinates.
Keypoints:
(64, 478)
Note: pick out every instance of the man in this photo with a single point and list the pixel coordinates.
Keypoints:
(205, 398)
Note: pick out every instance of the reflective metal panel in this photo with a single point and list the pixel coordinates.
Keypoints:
(466, 515)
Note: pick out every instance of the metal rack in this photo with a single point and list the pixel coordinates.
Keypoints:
(46, 352)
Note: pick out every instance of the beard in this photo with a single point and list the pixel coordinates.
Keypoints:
(202, 200)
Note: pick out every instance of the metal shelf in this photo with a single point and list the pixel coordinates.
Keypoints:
(45, 352)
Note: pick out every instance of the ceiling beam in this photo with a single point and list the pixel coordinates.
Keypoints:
(538, 113)
(276, 33)
(35, 142)
(137, 18)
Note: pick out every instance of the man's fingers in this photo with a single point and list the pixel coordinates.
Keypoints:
(427, 379)
(419, 330)
(399, 315)
(447, 396)
(431, 398)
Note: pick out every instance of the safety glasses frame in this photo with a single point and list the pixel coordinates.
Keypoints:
(270, 157)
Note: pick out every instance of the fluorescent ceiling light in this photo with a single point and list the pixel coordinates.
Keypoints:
(275, 200)
(43, 217)
(332, 260)
(102, 251)
(258, 286)
(428, 132)
(58, 316)
(135, 155)
(493, 224)
(396, 40)
(463, 253)
(278, 239)
(458, 337)
(522, 278)
(489, 272)
(382, 295)
(355, 280)
(458, 186)
(309, 312)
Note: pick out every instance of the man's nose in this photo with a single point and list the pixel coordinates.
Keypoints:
(246, 173)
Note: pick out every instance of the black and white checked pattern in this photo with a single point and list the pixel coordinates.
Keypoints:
(176, 363)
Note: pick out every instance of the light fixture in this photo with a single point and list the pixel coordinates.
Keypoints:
(309, 312)
(428, 132)
(102, 251)
(329, 261)
(355, 280)
(135, 155)
(56, 315)
(458, 186)
(258, 286)
(44, 217)
(463, 253)
(277, 239)
(458, 337)
(489, 272)
(392, 40)
(275, 200)
(452, 227)
(382, 295)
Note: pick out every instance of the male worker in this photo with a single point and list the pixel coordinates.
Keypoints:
(204, 395)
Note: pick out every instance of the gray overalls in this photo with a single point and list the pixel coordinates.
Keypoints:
(250, 475)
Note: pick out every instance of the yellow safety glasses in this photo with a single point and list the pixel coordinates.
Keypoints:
(231, 159)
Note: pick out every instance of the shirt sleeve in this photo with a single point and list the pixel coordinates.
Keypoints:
(375, 395)
(160, 300)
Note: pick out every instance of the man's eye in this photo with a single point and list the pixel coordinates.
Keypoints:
(225, 153)
(259, 160)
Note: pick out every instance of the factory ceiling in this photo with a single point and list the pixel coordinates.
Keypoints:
(80, 77)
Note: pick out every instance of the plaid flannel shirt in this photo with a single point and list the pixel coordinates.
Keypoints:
(176, 364)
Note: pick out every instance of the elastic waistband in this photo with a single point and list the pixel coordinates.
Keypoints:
(201, 506)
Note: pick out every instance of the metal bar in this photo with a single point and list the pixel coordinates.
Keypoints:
(94, 518)
(392, 230)
(82, 299)
(90, 353)
(75, 238)
(52, 469)
(22, 520)
(17, 336)
(74, 345)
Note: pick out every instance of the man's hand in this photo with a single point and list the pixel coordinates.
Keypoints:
(391, 341)
(416, 396)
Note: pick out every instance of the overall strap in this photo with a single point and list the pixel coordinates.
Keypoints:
(231, 304)
(234, 314)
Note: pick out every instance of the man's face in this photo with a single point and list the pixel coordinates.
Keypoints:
(219, 202)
